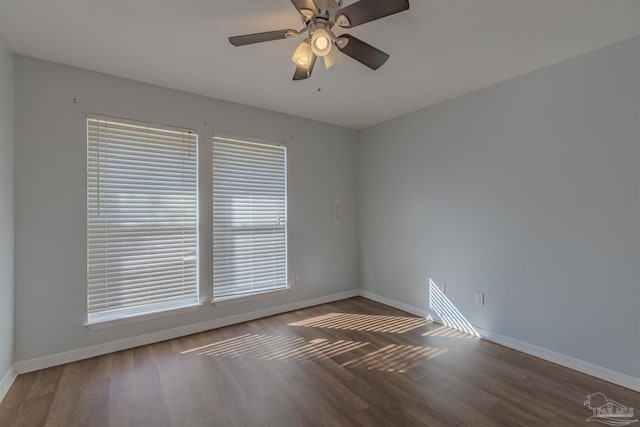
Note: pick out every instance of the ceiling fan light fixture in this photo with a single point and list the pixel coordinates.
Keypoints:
(321, 42)
(302, 56)
(332, 58)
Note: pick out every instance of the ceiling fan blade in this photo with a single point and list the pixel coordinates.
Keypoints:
(261, 37)
(363, 52)
(302, 73)
(365, 11)
(302, 5)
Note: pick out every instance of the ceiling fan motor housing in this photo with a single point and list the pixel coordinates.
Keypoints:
(327, 8)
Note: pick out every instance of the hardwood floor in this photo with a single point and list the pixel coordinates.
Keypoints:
(352, 362)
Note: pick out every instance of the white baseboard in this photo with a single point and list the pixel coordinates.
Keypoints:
(563, 360)
(531, 349)
(7, 381)
(395, 304)
(126, 343)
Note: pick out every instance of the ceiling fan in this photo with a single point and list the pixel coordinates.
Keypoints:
(319, 17)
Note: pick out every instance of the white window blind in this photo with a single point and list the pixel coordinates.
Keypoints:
(249, 217)
(142, 218)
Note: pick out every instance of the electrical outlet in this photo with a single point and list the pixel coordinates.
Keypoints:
(479, 298)
(442, 286)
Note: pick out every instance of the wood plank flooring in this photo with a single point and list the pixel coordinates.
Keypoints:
(349, 363)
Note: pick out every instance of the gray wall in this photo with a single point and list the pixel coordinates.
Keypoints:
(7, 171)
(51, 199)
(528, 191)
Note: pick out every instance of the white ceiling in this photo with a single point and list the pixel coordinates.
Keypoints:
(439, 49)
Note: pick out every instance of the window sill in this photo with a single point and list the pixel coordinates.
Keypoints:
(109, 322)
(249, 297)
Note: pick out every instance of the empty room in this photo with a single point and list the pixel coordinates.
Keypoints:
(319, 212)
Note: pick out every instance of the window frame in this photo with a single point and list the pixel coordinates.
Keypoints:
(192, 301)
(248, 296)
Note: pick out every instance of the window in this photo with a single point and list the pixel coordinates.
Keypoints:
(142, 218)
(249, 217)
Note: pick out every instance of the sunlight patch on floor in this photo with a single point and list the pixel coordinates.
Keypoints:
(395, 358)
(268, 347)
(447, 332)
(364, 322)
